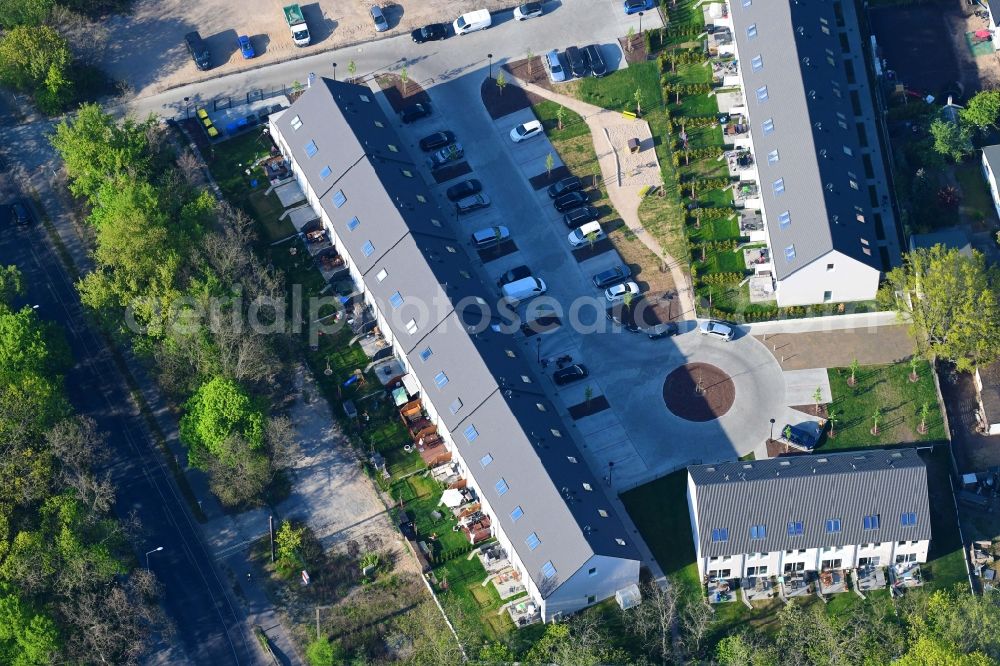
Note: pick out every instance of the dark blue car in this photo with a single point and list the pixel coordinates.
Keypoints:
(246, 47)
(636, 6)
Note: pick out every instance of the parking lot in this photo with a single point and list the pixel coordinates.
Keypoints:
(146, 49)
(634, 430)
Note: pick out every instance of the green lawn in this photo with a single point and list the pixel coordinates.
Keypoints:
(976, 197)
(660, 511)
(471, 604)
(888, 388)
(717, 229)
(228, 160)
(573, 124)
(691, 73)
(726, 262)
(946, 559)
(617, 90)
(421, 497)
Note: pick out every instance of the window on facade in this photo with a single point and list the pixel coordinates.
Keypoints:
(311, 149)
(540, 407)
(572, 459)
(751, 30)
(364, 98)
(421, 198)
(353, 223)
(516, 513)
(784, 219)
(779, 186)
(848, 151)
(762, 93)
(411, 326)
(368, 249)
(720, 534)
(426, 354)
(871, 522)
(619, 541)
(338, 198)
(758, 531)
(768, 126)
(296, 122)
(555, 432)
(455, 406)
(396, 299)
(486, 460)
(470, 433)
(533, 541)
(325, 172)
(441, 379)
(790, 253)
(502, 487)
(548, 570)
(526, 379)
(795, 529)
(833, 525)
(908, 519)
(757, 63)
(773, 157)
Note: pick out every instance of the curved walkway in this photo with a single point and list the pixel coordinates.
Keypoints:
(624, 196)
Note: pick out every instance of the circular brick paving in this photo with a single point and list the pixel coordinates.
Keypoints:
(698, 392)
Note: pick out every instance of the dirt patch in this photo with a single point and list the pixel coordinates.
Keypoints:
(647, 269)
(450, 172)
(549, 177)
(598, 404)
(493, 253)
(532, 71)
(634, 51)
(501, 102)
(776, 447)
(399, 95)
(699, 392)
(590, 251)
(811, 410)
(974, 451)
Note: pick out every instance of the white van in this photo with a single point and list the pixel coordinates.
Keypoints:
(473, 21)
(523, 289)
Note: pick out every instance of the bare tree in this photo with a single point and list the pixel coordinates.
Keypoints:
(283, 441)
(239, 474)
(77, 443)
(696, 619)
(653, 620)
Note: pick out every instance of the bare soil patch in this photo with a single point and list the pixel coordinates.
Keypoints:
(532, 71)
(699, 392)
(493, 253)
(634, 51)
(450, 172)
(590, 251)
(598, 404)
(399, 95)
(549, 177)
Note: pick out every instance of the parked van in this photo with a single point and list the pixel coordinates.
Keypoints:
(523, 289)
(473, 21)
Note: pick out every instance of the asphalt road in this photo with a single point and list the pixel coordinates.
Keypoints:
(209, 628)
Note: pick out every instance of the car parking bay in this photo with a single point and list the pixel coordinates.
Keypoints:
(529, 155)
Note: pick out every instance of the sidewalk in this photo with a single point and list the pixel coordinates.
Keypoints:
(41, 179)
(624, 196)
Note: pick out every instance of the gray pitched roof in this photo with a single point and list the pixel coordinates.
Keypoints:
(812, 490)
(808, 100)
(992, 154)
(485, 368)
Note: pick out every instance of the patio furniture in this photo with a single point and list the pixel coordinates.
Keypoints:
(633, 145)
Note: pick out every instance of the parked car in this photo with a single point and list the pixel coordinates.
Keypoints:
(198, 49)
(636, 6)
(612, 276)
(526, 131)
(472, 22)
(623, 317)
(619, 291)
(799, 437)
(580, 216)
(571, 200)
(378, 17)
(489, 237)
(564, 186)
(513, 275)
(246, 47)
(555, 69)
(716, 329)
(20, 214)
(577, 64)
(523, 289)
(598, 67)
(664, 330)
(528, 10)
(469, 204)
(430, 33)
(449, 153)
(436, 141)
(415, 112)
(569, 374)
(464, 189)
(579, 236)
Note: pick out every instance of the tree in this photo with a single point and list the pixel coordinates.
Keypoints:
(983, 110)
(653, 620)
(951, 139)
(27, 638)
(220, 409)
(745, 648)
(530, 59)
(11, 284)
(951, 302)
(560, 116)
(914, 365)
(629, 36)
(404, 77)
(239, 474)
(24, 12)
(695, 620)
(818, 398)
(876, 417)
(588, 395)
(323, 652)
(637, 96)
(832, 418)
(854, 367)
(925, 411)
(549, 163)
(931, 650)
(37, 59)
(501, 81)
(289, 542)
(495, 652)
(352, 68)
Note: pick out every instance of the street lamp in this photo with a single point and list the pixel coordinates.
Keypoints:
(538, 348)
(772, 430)
(611, 468)
(640, 25)
(334, 71)
(490, 57)
(187, 108)
(155, 550)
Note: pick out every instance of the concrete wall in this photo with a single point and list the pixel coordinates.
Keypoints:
(584, 588)
(850, 280)
(991, 180)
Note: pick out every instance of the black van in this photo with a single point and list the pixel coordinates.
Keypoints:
(198, 50)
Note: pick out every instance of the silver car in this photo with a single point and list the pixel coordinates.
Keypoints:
(717, 329)
(555, 68)
(381, 24)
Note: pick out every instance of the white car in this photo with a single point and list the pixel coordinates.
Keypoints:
(716, 329)
(579, 236)
(525, 131)
(618, 292)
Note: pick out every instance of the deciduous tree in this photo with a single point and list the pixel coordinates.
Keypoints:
(983, 110)
(37, 59)
(220, 409)
(951, 139)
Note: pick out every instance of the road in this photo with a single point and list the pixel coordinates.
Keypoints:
(566, 22)
(209, 629)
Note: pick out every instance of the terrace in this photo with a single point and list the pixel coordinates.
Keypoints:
(736, 130)
(752, 225)
(740, 164)
(720, 41)
(758, 588)
(523, 613)
(869, 578)
(795, 585)
(720, 591)
(731, 102)
(833, 581)
(726, 72)
(757, 258)
(746, 194)
(905, 575)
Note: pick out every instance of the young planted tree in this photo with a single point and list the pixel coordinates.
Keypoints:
(629, 36)
(855, 366)
(925, 410)
(637, 96)
(876, 417)
(591, 239)
(404, 77)
(501, 81)
(914, 364)
(560, 116)
(832, 417)
(588, 394)
(550, 162)
(818, 398)
(352, 68)
(530, 58)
